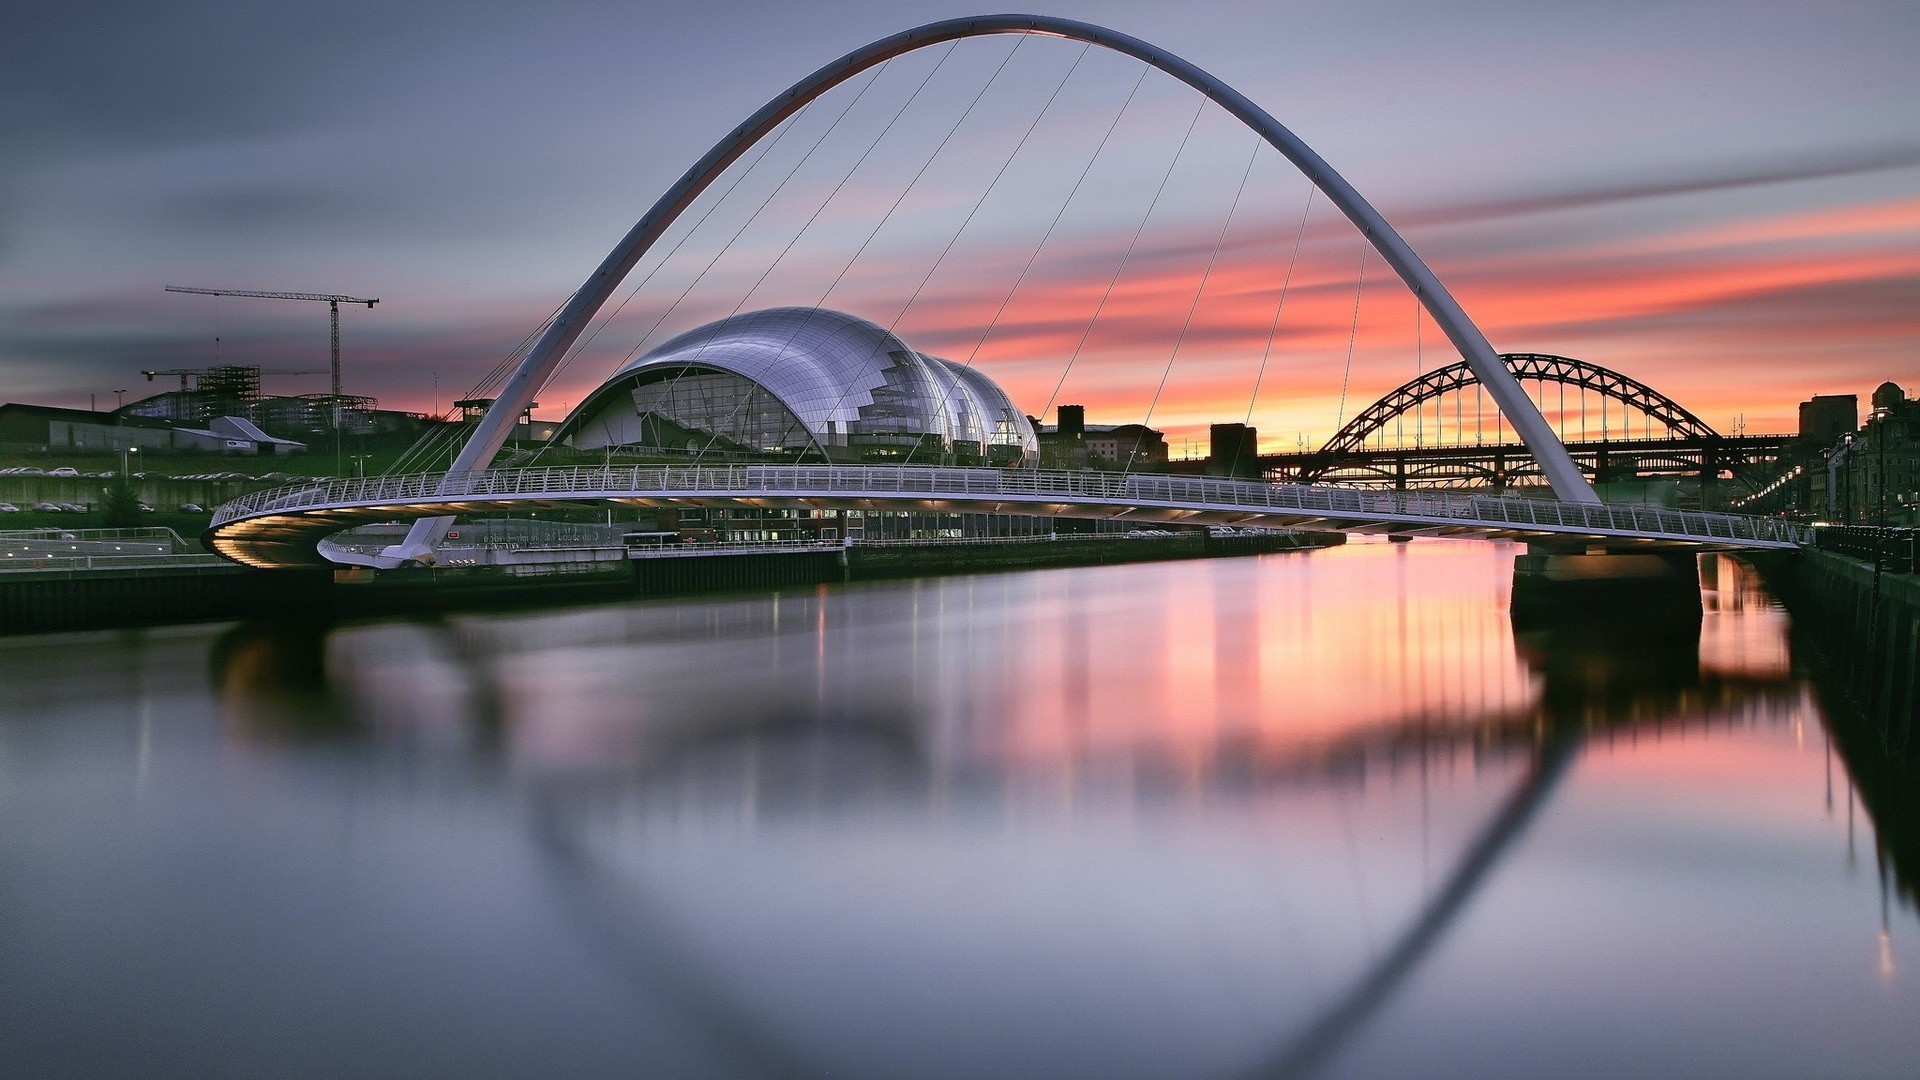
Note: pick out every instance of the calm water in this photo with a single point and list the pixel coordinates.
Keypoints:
(1296, 815)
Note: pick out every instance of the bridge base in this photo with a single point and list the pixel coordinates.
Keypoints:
(1649, 587)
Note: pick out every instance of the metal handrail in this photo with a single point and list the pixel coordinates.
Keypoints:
(1894, 549)
(45, 563)
(157, 534)
(1030, 486)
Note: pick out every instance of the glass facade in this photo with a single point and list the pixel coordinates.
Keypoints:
(803, 380)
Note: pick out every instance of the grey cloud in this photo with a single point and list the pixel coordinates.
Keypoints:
(1857, 161)
(243, 208)
(1855, 311)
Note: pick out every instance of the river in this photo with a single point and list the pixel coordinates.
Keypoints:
(1312, 814)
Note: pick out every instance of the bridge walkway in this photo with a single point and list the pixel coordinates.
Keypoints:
(283, 526)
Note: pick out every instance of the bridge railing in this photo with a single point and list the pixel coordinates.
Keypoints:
(1895, 550)
(1031, 488)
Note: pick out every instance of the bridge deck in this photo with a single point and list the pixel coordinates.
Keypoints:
(282, 526)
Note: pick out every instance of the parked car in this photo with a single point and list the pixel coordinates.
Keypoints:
(49, 508)
(8, 508)
(192, 508)
(64, 470)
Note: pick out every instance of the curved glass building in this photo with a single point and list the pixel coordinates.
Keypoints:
(808, 381)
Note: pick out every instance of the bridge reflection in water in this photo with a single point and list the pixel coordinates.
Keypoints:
(1223, 818)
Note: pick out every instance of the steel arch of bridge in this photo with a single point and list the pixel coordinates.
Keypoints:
(565, 329)
(1541, 367)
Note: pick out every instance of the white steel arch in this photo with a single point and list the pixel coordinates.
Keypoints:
(519, 390)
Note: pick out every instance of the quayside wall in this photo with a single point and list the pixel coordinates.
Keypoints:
(1862, 624)
(1857, 628)
(88, 600)
(153, 596)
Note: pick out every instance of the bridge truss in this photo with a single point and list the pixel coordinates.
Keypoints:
(1371, 451)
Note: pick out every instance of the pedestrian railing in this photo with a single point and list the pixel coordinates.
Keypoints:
(1893, 549)
(1033, 488)
(43, 564)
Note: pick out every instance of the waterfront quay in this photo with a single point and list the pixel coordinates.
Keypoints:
(93, 579)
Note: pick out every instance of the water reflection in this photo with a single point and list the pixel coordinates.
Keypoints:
(1284, 816)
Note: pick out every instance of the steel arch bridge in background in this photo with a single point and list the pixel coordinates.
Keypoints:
(1538, 367)
(1687, 445)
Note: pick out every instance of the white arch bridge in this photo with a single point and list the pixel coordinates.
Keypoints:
(283, 527)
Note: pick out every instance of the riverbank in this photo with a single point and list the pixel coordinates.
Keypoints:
(1863, 624)
(76, 599)
(1859, 629)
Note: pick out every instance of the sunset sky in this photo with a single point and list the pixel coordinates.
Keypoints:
(1719, 199)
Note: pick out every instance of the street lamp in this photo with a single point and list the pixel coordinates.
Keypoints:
(1879, 422)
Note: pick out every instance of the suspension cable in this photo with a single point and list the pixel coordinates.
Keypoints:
(1273, 329)
(1127, 256)
(946, 403)
(1194, 305)
(435, 440)
(1353, 333)
(751, 218)
(714, 436)
(740, 178)
(831, 195)
(1019, 40)
(968, 220)
(1419, 367)
(1058, 215)
(991, 185)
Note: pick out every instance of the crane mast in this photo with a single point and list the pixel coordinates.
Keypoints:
(333, 302)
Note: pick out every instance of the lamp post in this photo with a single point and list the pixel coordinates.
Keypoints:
(1880, 417)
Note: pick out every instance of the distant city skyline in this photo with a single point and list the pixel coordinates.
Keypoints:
(1721, 200)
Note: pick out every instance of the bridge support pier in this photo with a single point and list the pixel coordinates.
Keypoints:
(1554, 584)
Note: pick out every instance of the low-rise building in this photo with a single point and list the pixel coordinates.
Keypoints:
(1875, 473)
(1075, 444)
(47, 428)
